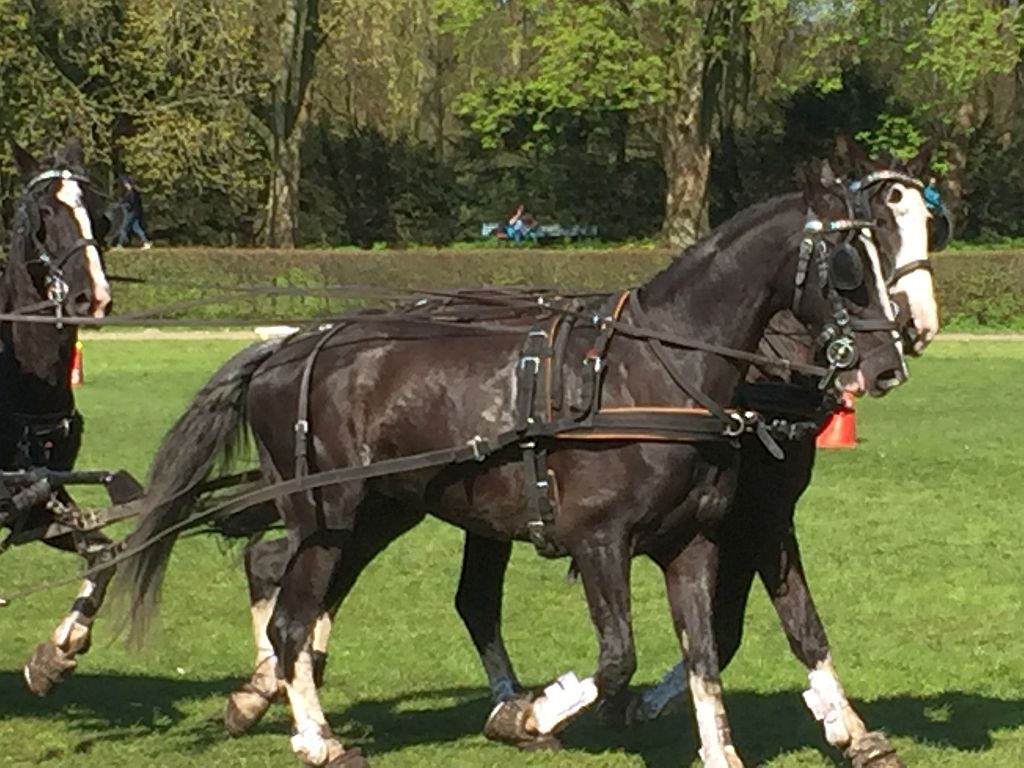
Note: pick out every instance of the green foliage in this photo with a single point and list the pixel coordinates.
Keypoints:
(427, 119)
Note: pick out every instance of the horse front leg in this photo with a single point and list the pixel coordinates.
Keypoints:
(732, 590)
(690, 583)
(825, 697)
(604, 570)
(55, 658)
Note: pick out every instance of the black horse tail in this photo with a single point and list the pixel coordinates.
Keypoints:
(207, 436)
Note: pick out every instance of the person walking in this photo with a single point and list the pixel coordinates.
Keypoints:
(131, 202)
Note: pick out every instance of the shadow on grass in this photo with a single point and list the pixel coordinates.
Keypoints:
(764, 724)
(110, 706)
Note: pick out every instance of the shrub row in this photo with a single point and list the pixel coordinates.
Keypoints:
(976, 289)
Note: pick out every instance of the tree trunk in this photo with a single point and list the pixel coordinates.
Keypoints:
(686, 159)
(298, 38)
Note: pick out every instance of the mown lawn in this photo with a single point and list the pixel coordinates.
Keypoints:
(912, 541)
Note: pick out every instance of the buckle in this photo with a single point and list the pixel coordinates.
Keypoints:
(479, 446)
(531, 360)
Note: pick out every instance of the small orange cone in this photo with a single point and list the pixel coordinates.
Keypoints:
(840, 431)
(76, 375)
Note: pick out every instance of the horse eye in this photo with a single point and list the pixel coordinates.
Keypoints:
(895, 196)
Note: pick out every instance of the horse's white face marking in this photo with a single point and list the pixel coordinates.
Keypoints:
(883, 296)
(70, 193)
(912, 216)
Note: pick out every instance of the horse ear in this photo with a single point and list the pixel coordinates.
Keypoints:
(73, 155)
(852, 156)
(917, 165)
(28, 166)
(811, 178)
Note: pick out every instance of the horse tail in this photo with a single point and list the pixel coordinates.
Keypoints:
(208, 435)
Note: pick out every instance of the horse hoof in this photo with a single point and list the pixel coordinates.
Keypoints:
(46, 667)
(507, 724)
(245, 708)
(350, 758)
(873, 750)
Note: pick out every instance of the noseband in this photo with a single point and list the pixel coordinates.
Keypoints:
(56, 287)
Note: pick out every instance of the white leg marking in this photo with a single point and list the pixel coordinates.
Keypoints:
(716, 749)
(322, 633)
(75, 628)
(310, 724)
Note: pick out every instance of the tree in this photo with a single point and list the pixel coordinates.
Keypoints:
(285, 118)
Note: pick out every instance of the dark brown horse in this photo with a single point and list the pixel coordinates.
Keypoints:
(380, 390)
(53, 267)
(757, 536)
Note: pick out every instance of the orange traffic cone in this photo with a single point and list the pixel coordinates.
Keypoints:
(840, 431)
(75, 374)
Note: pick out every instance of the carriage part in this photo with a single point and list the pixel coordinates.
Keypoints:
(507, 724)
(121, 487)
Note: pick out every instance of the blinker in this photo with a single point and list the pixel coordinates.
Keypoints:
(845, 268)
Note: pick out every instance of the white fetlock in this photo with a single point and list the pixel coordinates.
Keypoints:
(564, 698)
(71, 636)
(309, 744)
(827, 702)
(727, 758)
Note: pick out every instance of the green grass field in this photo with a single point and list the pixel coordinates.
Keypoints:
(912, 543)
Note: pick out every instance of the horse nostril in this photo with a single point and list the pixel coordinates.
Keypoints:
(890, 379)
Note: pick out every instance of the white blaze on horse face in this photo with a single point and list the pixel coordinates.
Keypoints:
(883, 295)
(70, 193)
(912, 220)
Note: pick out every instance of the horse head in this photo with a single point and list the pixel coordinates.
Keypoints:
(889, 193)
(54, 263)
(841, 289)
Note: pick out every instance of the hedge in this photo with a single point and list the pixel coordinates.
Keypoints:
(977, 289)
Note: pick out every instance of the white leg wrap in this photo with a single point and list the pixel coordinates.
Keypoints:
(561, 700)
(309, 744)
(827, 700)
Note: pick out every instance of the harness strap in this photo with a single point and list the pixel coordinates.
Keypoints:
(302, 431)
(910, 267)
(673, 370)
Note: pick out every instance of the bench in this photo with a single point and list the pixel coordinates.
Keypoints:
(542, 231)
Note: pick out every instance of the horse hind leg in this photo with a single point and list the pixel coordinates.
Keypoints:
(378, 524)
(265, 564)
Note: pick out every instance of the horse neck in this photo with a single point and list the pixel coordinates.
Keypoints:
(34, 360)
(726, 288)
